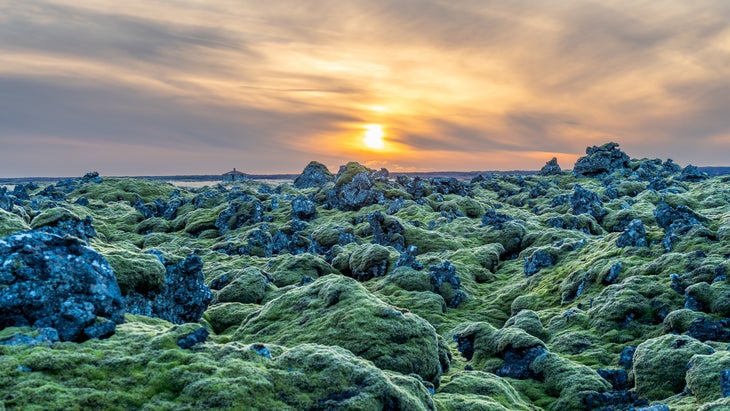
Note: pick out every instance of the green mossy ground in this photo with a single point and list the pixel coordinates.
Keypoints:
(339, 343)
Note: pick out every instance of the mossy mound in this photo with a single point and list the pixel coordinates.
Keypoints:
(104, 375)
(660, 364)
(478, 390)
(703, 375)
(11, 223)
(328, 310)
(135, 270)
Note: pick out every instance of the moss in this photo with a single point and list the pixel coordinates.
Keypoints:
(327, 311)
(678, 321)
(224, 317)
(569, 381)
(660, 364)
(350, 170)
(11, 223)
(125, 189)
(247, 286)
(53, 215)
(370, 260)
(480, 391)
(528, 321)
(703, 375)
(134, 269)
(410, 279)
(290, 269)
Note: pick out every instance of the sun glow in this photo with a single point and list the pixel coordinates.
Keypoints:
(374, 137)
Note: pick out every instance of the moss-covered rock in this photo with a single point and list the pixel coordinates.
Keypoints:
(478, 390)
(703, 375)
(328, 310)
(247, 286)
(660, 364)
(11, 223)
(134, 269)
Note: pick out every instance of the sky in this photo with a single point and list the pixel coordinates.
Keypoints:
(165, 87)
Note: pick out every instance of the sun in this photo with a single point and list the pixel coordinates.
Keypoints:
(374, 137)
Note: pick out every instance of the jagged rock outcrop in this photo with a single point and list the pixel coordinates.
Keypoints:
(314, 175)
(551, 168)
(183, 298)
(303, 209)
(601, 160)
(355, 187)
(633, 236)
(387, 231)
(48, 281)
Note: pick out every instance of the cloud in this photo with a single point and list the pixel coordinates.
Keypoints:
(279, 84)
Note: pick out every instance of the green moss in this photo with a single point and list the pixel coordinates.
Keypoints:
(125, 189)
(480, 391)
(328, 310)
(703, 375)
(289, 269)
(660, 364)
(410, 279)
(50, 216)
(568, 381)
(224, 317)
(11, 224)
(245, 286)
(529, 322)
(134, 269)
(349, 172)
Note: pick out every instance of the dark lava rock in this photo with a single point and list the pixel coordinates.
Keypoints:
(46, 336)
(494, 219)
(613, 274)
(617, 400)
(6, 202)
(450, 185)
(517, 362)
(195, 337)
(159, 208)
(415, 187)
(243, 211)
(626, 357)
(725, 383)
(618, 378)
(57, 282)
(586, 202)
(693, 174)
(551, 168)
(92, 177)
(82, 229)
(387, 232)
(601, 160)
(52, 193)
(183, 298)
(657, 407)
(408, 259)
(633, 236)
(706, 328)
(314, 175)
(447, 283)
(303, 209)
(676, 221)
(358, 193)
(537, 261)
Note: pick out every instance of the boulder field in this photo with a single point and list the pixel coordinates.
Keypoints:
(604, 287)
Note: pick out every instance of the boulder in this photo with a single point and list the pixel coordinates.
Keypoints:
(240, 212)
(330, 309)
(551, 168)
(48, 281)
(387, 231)
(601, 160)
(660, 364)
(447, 283)
(303, 208)
(314, 175)
(586, 202)
(537, 261)
(184, 297)
(633, 236)
(693, 174)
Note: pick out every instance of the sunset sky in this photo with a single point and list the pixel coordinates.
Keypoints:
(201, 86)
